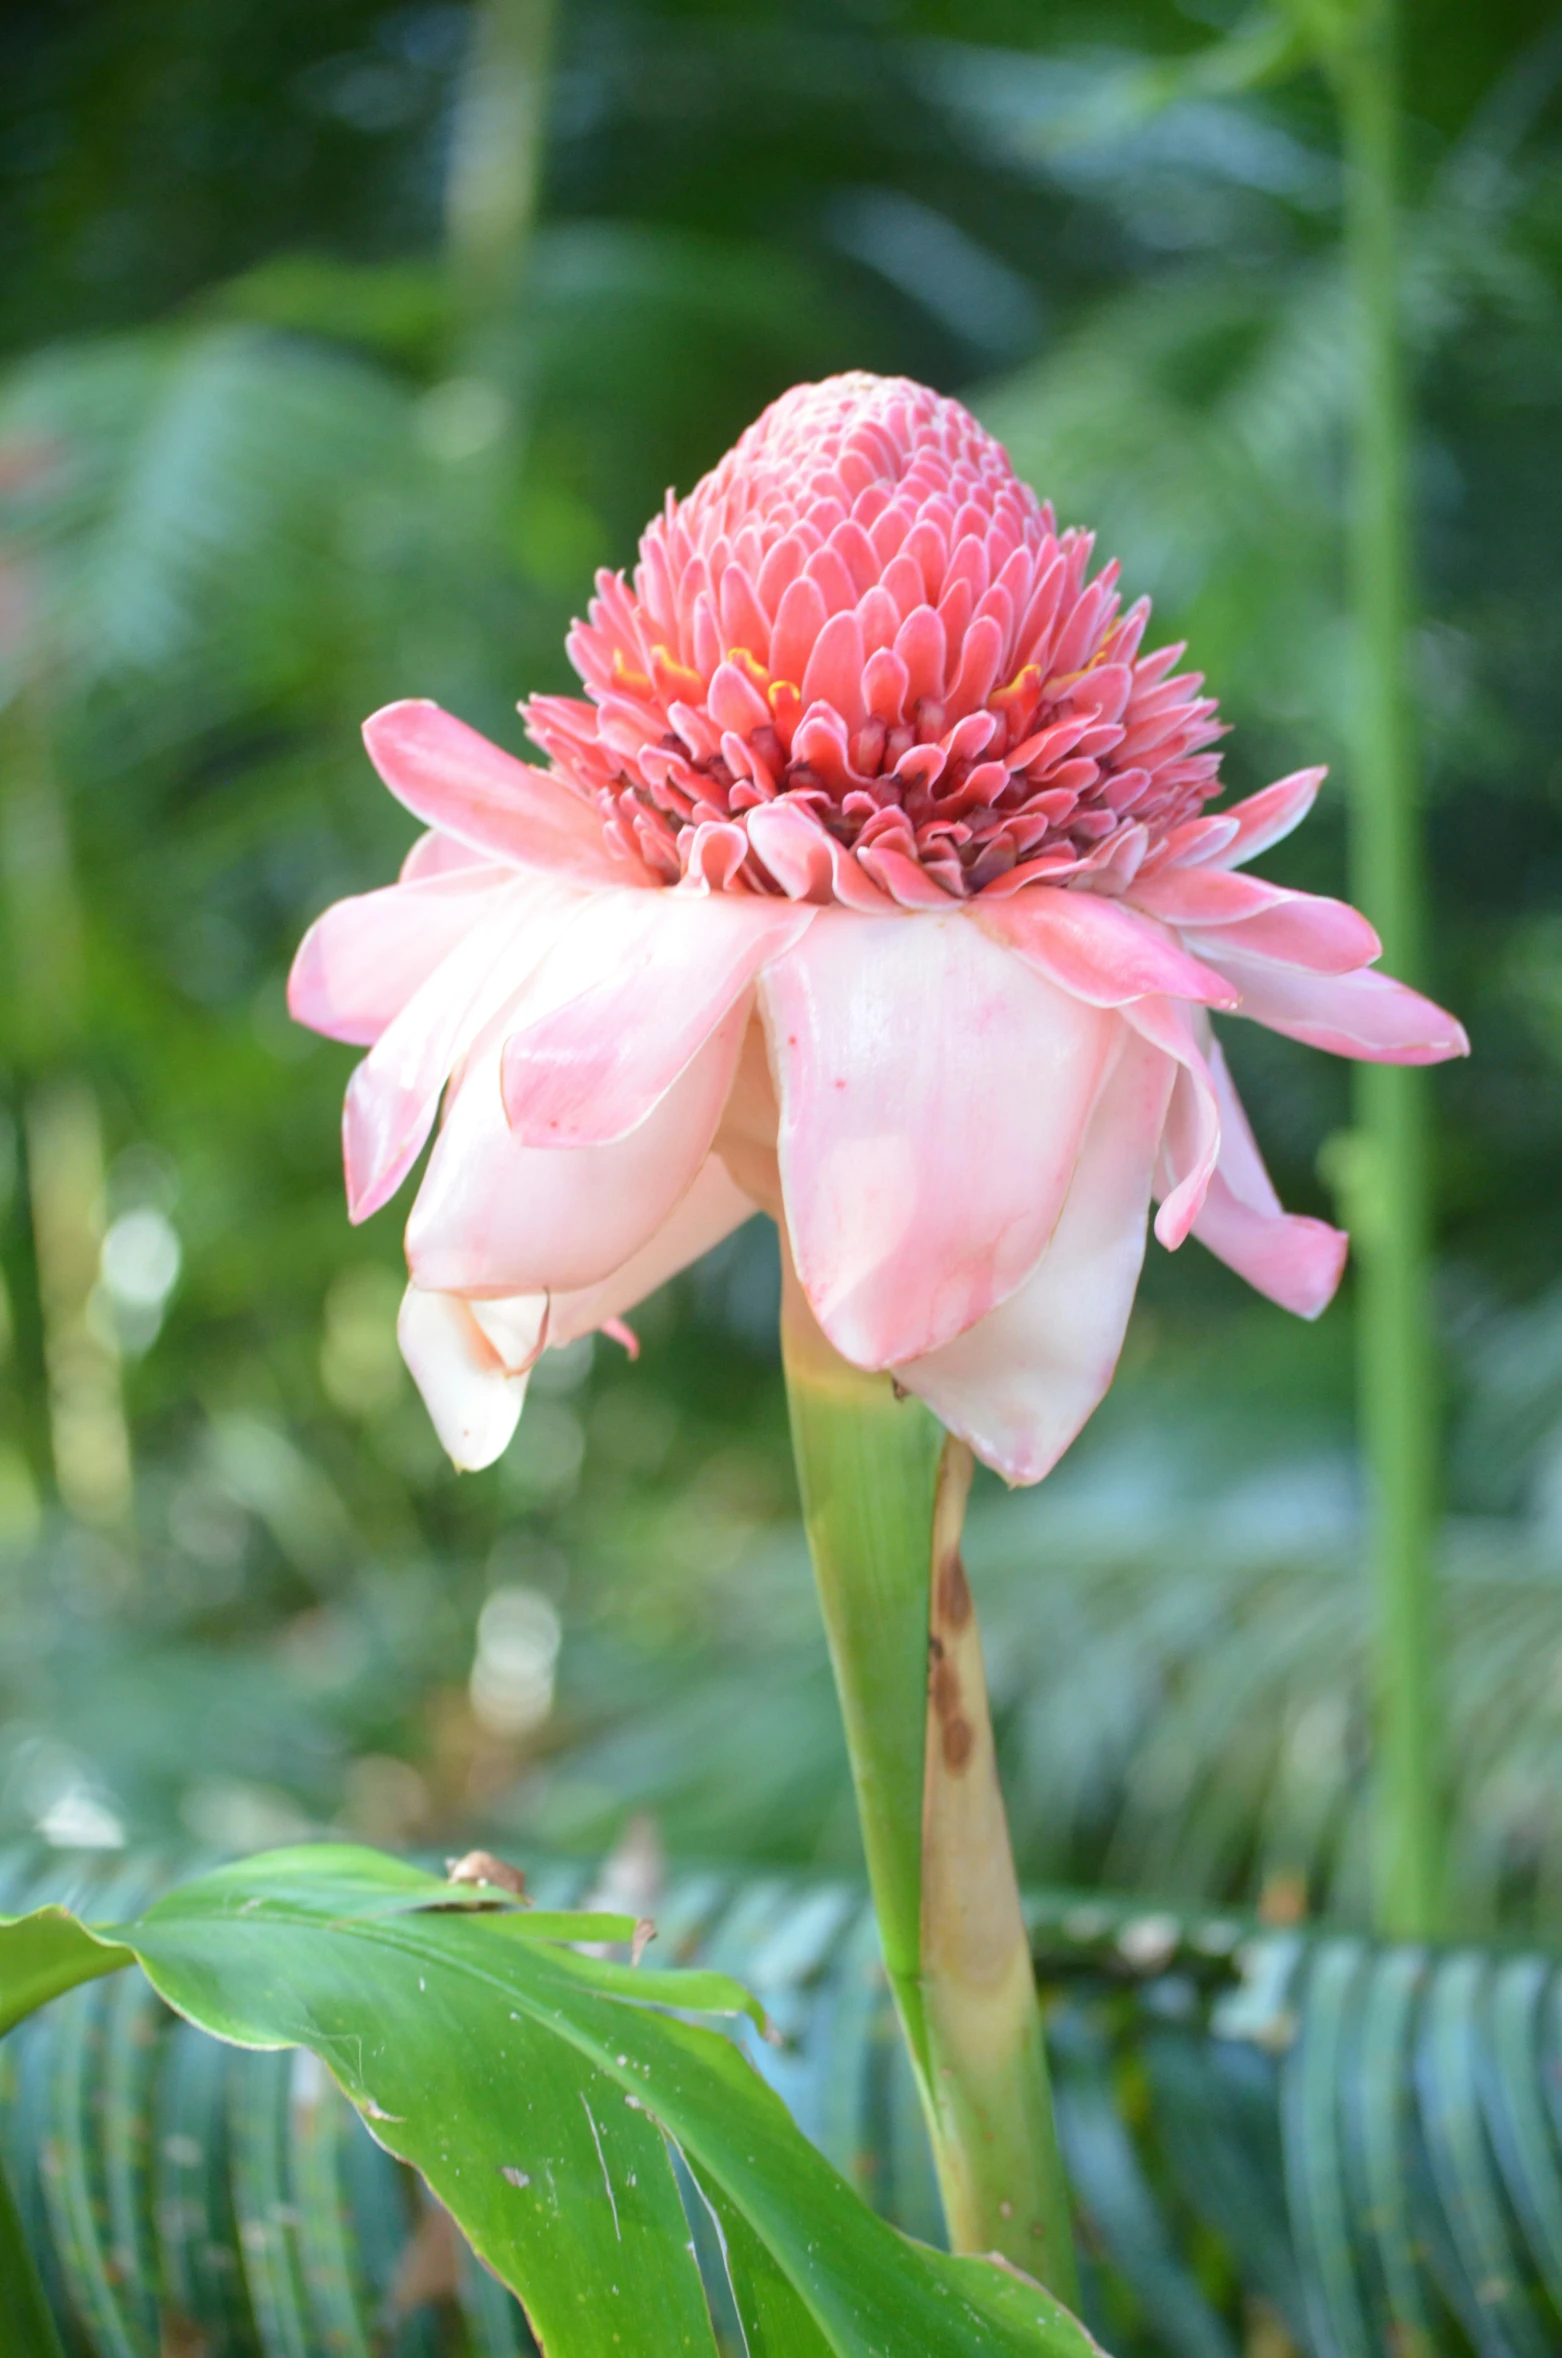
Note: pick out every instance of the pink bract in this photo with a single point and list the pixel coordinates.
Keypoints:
(872, 884)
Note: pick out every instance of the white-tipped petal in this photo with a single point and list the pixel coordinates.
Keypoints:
(473, 1391)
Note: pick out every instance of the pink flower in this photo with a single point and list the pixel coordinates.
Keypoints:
(871, 883)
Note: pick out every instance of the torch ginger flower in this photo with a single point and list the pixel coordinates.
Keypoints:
(871, 883)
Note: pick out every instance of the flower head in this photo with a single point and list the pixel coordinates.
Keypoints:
(859, 663)
(872, 884)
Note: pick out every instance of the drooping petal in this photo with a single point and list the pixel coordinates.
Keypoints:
(1296, 1261)
(474, 1401)
(746, 1140)
(466, 787)
(1190, 1142)
(1365, 1014)
(394, 1094)
(1098, 949)
(632, 990)
(470, 1359)
(362, 960)
(497, 1216)
(932, 1095)
(1019, 1385)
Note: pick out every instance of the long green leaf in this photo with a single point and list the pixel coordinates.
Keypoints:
(775, 2322)
(536, 2090)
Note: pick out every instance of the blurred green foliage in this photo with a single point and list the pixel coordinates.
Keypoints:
(254, 483)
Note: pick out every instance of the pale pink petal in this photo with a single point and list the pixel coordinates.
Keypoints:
(1097, 949)
(711, 1210)
(1194, 843)
(1269, 817)
(1019, 1385)
(466, 787)
(932, 1094)
(633, 989)
(1268, 920)
(516, 1327)
(495, 1215)
(807, 862)
(1301, 929)
(904, 879)
(470, 1358)
(361, 961)
(1366, 1014)
(795, 848)
(394, 1094)
(1297, 1262)
(473, 1400)
(1190, 1144)
(434, 854)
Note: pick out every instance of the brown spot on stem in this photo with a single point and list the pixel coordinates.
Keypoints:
(943, 1685)
(956, 1736)
(954, 1592)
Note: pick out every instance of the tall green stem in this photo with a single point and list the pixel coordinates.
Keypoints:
(492, 189)
(45, 1016)
(1392, 1214)
(884, 1499)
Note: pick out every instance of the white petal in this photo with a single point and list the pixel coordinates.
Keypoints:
(470, 1393)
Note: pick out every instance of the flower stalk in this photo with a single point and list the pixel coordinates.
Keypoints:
(884, 1493)
(46, 1008)
(492, 188)
(1391, 1208)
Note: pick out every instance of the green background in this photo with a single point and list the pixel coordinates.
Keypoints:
(247, 494)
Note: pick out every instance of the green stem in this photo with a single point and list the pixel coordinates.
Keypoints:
(46, 1012)
(1393, 1220)
(884, 1494)
(492, 188)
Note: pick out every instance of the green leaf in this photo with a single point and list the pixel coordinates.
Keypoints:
(1013, 2305)
(46, 1953)
(775, 2322)
(539, 2090)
